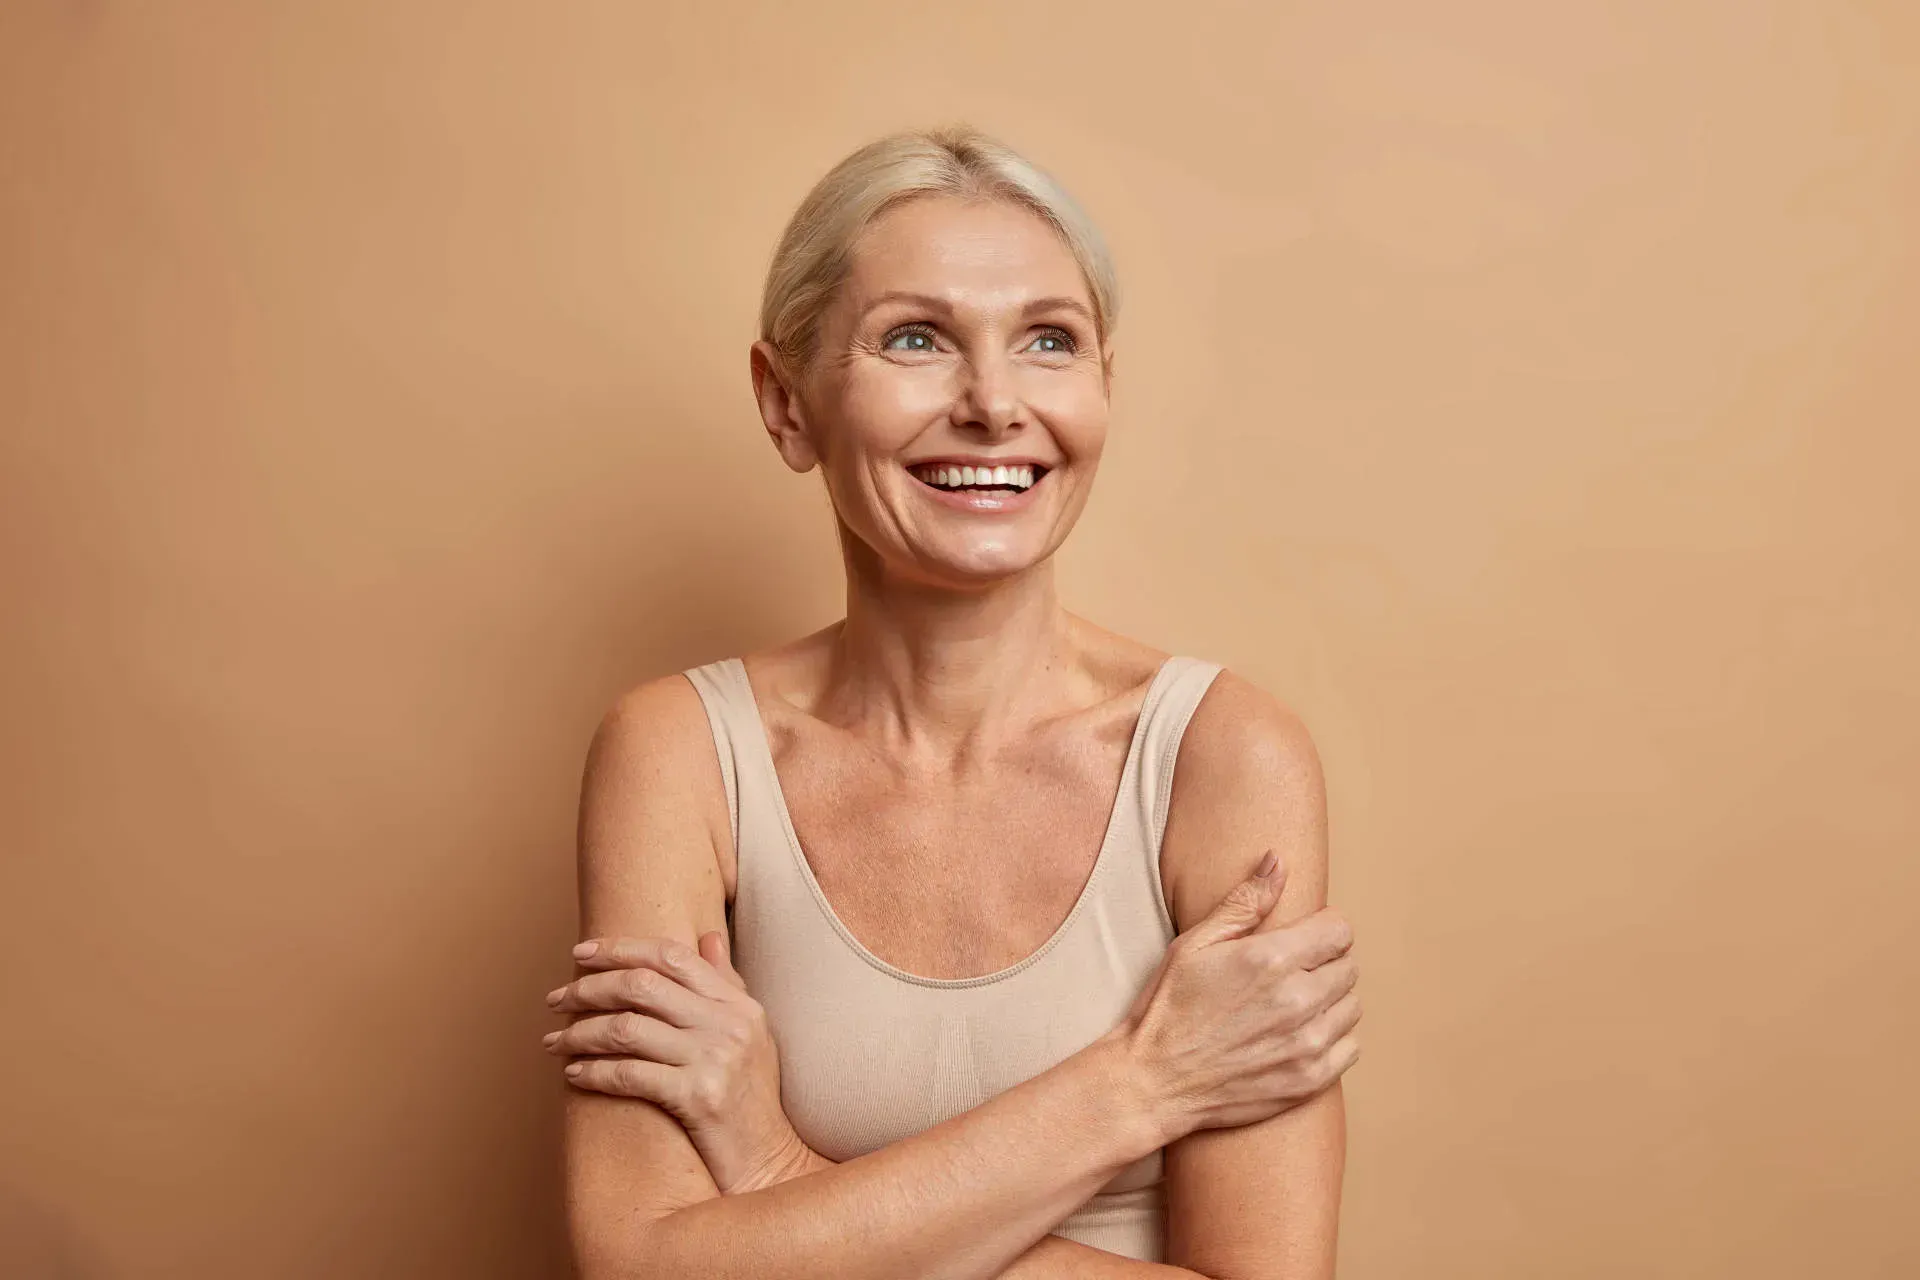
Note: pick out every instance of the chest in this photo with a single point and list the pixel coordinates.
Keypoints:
(950, 876)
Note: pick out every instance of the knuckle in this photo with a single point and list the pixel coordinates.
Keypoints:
(1314, 1038)
(1289, 1005)
(676, 954)
(639, 983)
(1340, 928)
(1296, 1081)
(627, 1030)
(628, 1078)
(1267, 962)
(706, 1094)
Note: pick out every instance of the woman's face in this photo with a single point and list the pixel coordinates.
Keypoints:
(962, 338)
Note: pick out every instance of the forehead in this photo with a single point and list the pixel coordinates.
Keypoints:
(981, 253)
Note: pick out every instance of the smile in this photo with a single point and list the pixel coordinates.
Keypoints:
(979, 479)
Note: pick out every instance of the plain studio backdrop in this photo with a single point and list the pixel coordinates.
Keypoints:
(1524, 392)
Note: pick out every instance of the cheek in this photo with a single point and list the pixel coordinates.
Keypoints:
(885, 411)
(1077, 415)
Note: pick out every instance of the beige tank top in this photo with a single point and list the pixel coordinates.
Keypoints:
(871, 1054)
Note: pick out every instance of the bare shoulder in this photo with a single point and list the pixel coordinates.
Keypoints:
(1247, 779)
(653, 807)
(648, 868)
(656, 723)
(1243, 737)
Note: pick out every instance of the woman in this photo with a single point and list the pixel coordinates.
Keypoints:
(956, 926)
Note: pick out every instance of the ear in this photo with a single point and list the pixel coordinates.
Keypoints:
(780, 408)
(1106, 365)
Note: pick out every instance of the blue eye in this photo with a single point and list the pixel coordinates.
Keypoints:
(918, 338)
(1053, 342)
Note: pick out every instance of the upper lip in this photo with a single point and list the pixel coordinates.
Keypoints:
(964, 460)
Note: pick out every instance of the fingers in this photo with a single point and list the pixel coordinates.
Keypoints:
(1244, 907)
(1327, 1042)
(1307, 943)
(626, 1078)
(1320, 1072)
(645, 990)
(667, 956)
(716, 951)
(632, 1035)
(1330, 981)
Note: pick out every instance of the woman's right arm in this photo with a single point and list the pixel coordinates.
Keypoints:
(959, 1201)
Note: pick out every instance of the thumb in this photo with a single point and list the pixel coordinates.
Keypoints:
(1245, 905)
(715, 951)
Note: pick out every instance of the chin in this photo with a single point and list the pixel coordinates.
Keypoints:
(980, 567)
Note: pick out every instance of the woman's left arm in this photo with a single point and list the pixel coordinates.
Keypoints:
(1257, 1202)
(1262, 1201)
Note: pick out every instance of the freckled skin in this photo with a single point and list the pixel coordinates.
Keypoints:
(949, 753)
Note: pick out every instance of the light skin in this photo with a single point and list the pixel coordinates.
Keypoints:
(948, 752)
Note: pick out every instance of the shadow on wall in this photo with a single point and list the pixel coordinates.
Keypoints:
(37, 1243)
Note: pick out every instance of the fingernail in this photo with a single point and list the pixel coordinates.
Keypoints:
(574, 1069)
(1267, 864)
(553, 996)
(585, 950)
(549, 1038)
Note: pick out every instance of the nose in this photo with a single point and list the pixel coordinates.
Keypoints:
(988, 400)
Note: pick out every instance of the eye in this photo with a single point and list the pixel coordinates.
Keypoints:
(1052, 341)
(909, 337)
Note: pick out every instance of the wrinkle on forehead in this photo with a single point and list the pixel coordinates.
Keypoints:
(979, 255)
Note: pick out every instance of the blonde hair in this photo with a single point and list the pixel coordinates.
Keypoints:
(957, 160)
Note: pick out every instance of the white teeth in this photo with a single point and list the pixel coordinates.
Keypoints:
(957, 477)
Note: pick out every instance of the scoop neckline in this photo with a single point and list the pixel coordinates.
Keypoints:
(1128, 773)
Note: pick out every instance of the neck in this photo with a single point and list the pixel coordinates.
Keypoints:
(947, 668)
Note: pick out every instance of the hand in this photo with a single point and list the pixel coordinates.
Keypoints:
(660, 1022)
(1235, 1026)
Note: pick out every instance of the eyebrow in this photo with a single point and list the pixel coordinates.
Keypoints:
(1061, 303)
(927, 300)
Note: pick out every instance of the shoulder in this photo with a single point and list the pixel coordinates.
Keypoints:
(1247, 778)
(653, 808)
(653, 740)
(654, 725)
(1243, 737)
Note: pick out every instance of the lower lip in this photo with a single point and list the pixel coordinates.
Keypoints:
(990, 502)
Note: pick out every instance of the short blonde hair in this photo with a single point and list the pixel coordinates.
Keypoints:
(815, 250)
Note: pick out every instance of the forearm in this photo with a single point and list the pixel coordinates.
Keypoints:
(1051, 1258)
(960, 1201)
(1057, 1258)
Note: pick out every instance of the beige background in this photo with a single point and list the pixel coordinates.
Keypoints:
(1526, 392)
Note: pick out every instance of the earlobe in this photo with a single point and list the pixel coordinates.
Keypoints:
(780, 409)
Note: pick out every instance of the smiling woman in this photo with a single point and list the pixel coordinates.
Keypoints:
(1010, 988)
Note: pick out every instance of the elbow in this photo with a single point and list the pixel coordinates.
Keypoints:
(630, 1251)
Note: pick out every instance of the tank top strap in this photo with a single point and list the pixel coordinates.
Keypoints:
(728, 700)
(1171, 701)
